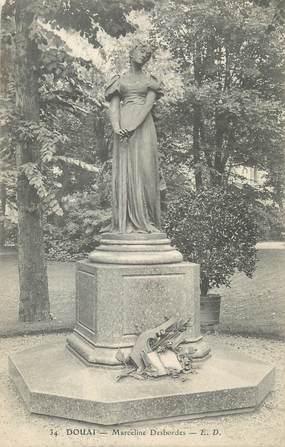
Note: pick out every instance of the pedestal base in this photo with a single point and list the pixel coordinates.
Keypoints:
(117, 302)
(54, 382)
(135, 249)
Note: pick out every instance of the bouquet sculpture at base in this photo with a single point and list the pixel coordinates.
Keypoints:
(158, 352)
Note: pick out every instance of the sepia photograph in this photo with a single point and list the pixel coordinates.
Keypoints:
(142, 223)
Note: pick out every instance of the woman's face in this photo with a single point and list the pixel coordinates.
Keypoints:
(140, 55)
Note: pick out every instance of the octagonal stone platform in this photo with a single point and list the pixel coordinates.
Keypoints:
(54, 382)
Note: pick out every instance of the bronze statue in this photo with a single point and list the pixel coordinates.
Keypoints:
(135, 179)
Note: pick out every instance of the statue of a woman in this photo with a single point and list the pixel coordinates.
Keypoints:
(135, 182)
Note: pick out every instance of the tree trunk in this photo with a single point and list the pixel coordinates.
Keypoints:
(197, 116)
(196, 146)
(2, 214)
(217, 174)
(5, 76)
(34, 299)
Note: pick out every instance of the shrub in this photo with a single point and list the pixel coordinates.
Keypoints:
(217, 229)
(77, 233)
(11, 232)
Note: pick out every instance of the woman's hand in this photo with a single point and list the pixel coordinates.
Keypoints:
(124, 134)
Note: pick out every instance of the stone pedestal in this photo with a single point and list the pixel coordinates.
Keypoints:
(117, 302)
(132, 283)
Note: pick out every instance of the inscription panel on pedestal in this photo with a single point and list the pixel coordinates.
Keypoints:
(86, 300)
(150, 298)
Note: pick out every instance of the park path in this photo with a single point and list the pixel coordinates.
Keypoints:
(257, 306)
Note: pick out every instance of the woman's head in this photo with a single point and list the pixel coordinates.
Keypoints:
(140, 53)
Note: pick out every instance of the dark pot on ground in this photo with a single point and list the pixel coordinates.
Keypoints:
(209, 311)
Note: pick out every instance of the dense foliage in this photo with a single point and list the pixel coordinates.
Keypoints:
(217, 229)
(73, 236)
(232, 63)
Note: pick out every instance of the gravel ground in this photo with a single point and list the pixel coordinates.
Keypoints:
(263, 428)
(257, 306)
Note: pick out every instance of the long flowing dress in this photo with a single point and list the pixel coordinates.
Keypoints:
(135, 170)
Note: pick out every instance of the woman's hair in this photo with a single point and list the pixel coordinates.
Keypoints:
(137, 44)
